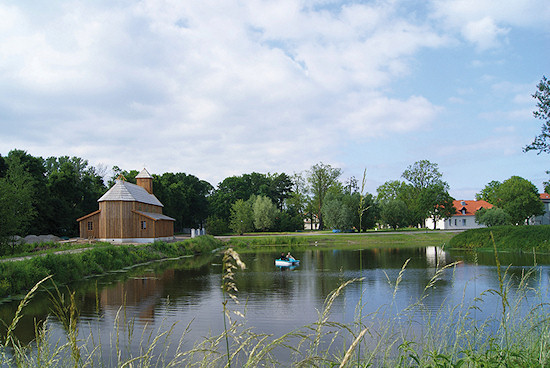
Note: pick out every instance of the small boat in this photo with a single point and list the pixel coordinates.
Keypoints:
(286, 262)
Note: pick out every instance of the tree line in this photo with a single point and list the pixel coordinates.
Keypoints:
(46, 195)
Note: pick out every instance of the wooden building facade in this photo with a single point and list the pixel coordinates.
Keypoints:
(128, 213)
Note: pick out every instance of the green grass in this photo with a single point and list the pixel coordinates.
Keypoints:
(521, 238)
(342, 240)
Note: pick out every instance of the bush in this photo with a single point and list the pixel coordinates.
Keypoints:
(216, 226)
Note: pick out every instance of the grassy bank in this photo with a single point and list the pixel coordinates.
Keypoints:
(521, 238)
(16, 276)
(337, 241)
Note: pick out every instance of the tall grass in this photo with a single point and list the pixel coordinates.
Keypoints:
(517, 335)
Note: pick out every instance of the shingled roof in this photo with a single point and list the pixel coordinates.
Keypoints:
(144, 174)
(470, 206)
(128, 192)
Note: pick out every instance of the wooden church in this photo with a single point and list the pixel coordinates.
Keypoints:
(128, 213)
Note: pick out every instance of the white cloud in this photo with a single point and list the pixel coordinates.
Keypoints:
(485, 22)
(381, 116)
(483, 32)
(218, 88)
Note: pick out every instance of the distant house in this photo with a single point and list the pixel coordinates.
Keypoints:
(544, 219)
(464, 218)
(128, 213)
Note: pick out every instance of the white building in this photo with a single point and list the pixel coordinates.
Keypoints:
(463, 219)
(544, 219)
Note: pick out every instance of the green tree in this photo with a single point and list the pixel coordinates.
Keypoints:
(492, 216)
(129, 176)
(392, 189)
(394, 213)
(265, 213)
(546, 184)
(489, 193)
(338, 211)
(541, 143)
(296, 203)
(242, 217)
(520, 199)
(185, 198)
(423, 193)
(277, 187)
(16, 206)
(438, 202)
(34, 167)
(73, 189)
(3, 167)
(422, 174)
(321, 178)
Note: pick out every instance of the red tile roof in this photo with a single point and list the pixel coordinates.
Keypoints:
(544, 196)
(470, 206)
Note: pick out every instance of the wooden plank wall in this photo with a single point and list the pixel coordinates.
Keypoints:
(118, 221)
(83, 227)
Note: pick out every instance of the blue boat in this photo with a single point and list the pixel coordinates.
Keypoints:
(286, 262)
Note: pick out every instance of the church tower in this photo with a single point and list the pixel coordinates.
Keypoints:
(145, 180)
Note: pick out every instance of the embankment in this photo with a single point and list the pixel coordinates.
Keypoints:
(520, 238)
(21, 275)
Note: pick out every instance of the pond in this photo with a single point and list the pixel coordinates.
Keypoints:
(185, 296)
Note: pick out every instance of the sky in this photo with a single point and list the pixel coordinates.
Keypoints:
(221, 88)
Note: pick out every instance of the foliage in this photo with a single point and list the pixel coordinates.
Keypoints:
(425, 195)
(321, 178)
(242, 217)
(523, 238)
(216, 226)
(265, 213)
(289, 220)
(492, 217)
(185, 198)
(277, 187)
(422, 174)
(489, 193)
(73, 189)
(53, 192)
(520, 199)
(438, 202)
(541, 143)
(394, 213)
(338, 212)
(16, 207)
(392, 189)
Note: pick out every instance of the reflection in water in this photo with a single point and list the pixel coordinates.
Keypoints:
(277, 300)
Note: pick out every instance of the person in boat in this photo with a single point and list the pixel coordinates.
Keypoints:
(289, 257)
(283, 257)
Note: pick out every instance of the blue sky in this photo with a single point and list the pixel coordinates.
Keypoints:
(222, 88)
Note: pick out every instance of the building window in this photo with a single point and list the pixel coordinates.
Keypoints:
(143, 225)
(463, 222)
(90, 225)
(455, 222)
